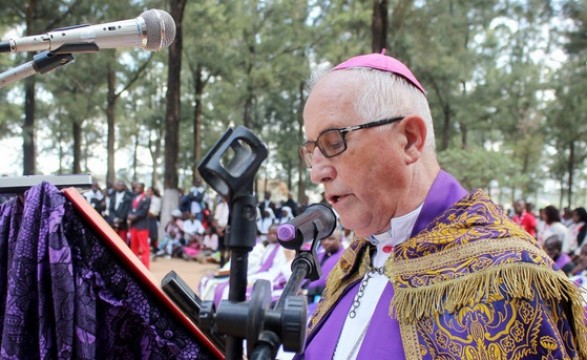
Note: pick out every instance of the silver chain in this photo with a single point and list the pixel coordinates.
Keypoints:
(361, 292)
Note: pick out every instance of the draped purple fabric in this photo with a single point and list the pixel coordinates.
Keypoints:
(65, 296)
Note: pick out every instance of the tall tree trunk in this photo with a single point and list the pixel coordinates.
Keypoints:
(464, 133)
(301, 167)
(61, 150)
(77, 148)
(249, 101)
(172, 115)
(379, 25)
(155, 151)
(199, 85)
(446, 130)
(86, 152)
(28, 130)
(571, 171)
(29, 151)
(135, 158)
(111, 123)
(173, 110)
(289, 168)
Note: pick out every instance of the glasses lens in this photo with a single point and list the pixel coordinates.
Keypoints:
(331, 143)
(306, 151)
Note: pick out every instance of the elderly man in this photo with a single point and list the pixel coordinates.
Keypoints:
(434, 272)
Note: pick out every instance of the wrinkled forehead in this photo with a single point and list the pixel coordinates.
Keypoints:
(331, 102)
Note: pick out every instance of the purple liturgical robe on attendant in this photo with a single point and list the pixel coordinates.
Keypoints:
(383, 338)
(65, 295)
(325, 266)
(220, 290)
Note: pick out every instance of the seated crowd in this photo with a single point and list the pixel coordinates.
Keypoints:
(196, 232)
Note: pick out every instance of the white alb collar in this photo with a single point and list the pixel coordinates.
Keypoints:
(400, 230)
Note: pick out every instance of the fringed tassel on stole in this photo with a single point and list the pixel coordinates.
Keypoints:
(519, 280)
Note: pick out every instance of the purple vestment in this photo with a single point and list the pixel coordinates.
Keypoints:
(325, 267)
(563, 260)
(383, 339)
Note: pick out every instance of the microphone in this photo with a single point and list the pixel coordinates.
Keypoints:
(153, 30)
(316, 222)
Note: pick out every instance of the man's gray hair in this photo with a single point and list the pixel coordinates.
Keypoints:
(383, 95)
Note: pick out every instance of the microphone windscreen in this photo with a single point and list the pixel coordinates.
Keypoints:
(286, 232)
(160, 28)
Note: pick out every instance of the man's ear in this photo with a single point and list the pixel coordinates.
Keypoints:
(415, 131)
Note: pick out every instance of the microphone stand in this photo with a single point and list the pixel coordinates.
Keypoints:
(241, 240)
(291, 331)
(233, 179)
(45, 61)
(264, 328)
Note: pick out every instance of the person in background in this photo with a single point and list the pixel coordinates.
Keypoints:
(524, 218)
(567, 217)
(265, 204)
(153, 216)
(95, 196)
(577, 230)
(264, 222)
(209, 249)
(553, 247)
(173, 236)
(291, 204)
(579, 277)
(192, 227)
(434, 271)
(269, 268)
(329, 253)
(139, 225)
(304, 204)
(120, 205)
(286, 215)
(196, 196)
(220, 222)
(552, 226)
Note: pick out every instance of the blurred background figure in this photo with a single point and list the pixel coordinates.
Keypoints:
(95, 196)
(524, 218)
(139, 225)
(120, 205)
(577, 230)
(154, 216)
(553, 247)
(220, 222)
(552, 225)
(173, 236)
(331, 249)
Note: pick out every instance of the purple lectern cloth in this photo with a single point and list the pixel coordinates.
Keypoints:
(65, 296)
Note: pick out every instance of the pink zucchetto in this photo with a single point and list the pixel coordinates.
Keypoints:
(383, 63)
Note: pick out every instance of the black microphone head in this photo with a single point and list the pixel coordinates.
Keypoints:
(317, 222)
(160, 28)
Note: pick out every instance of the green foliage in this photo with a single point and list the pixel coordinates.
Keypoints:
(486, 66)
(479, 168)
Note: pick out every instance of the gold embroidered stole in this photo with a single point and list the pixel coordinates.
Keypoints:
(464, 262)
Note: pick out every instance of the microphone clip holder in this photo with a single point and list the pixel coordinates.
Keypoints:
(45, 61)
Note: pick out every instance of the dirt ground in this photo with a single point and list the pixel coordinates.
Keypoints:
(190, 271)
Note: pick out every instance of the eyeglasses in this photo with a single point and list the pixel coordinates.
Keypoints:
(331, 142)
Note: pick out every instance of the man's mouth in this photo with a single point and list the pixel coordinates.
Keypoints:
(333, 199)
